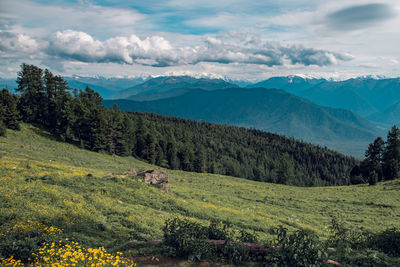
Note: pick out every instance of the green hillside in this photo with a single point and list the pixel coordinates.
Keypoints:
(45, 180)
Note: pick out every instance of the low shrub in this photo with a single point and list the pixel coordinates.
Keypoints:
(357, 247)
(387, 242)
(299, 248)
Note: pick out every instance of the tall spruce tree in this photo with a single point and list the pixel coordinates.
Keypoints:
(373, 159)
(8, 110)
(30, 86)
(391, 155)
(172, 155)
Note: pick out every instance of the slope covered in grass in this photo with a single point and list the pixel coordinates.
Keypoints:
(46, 181)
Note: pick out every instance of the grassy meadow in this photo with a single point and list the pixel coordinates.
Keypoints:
(44, 180)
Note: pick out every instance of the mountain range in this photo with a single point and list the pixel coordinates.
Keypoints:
(270, 110)
(374, 99)
(292, 84)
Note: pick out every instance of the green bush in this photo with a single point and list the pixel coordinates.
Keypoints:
(186, 238)
(235, 253)
(358, 247)
(183, 236)
(342, 236)
(300, 248)
(367, 258)
(387, 242)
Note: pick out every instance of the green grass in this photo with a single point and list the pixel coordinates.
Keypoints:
(45, 180)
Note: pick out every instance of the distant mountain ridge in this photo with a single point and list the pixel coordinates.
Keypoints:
(170, 86)
(270, 110)
(292, 84)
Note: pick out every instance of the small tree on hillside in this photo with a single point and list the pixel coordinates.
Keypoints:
(373, 159)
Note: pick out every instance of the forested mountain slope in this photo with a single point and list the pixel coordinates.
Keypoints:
(269, 110)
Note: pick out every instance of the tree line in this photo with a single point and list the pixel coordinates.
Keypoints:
(79, 117)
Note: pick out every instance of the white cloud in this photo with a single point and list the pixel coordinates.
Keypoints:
(157, 51)
(17, 42)
(154, 50)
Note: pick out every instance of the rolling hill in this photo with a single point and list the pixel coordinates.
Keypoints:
(47, 181)
(269, 110)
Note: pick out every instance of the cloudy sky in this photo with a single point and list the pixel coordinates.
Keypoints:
(237, 39)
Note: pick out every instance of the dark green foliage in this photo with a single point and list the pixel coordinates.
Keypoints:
(286, 170)
(299, 248)
(185, 238)
(373, 178)
(358, 247)
(391, 155)
(33, 101)
(172, 157)
(382, 160)
(9, 114)
(3, 128)
(387, 242)
(240, 152)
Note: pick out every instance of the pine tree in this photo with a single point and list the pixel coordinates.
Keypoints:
(373, 178)
(140, 135)
(32, 100)
(3, 129)
(9, 111)
(56, 93)
(285, 170)
(373, 159)
(150, 149)
(200, 163)
(172, 157)
(391, 155)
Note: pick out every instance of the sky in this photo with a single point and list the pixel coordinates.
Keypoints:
(235, 39)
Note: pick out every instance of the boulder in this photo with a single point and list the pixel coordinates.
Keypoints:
(155, 177)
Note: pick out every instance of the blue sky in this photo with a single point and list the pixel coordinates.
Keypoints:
(237, 39)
